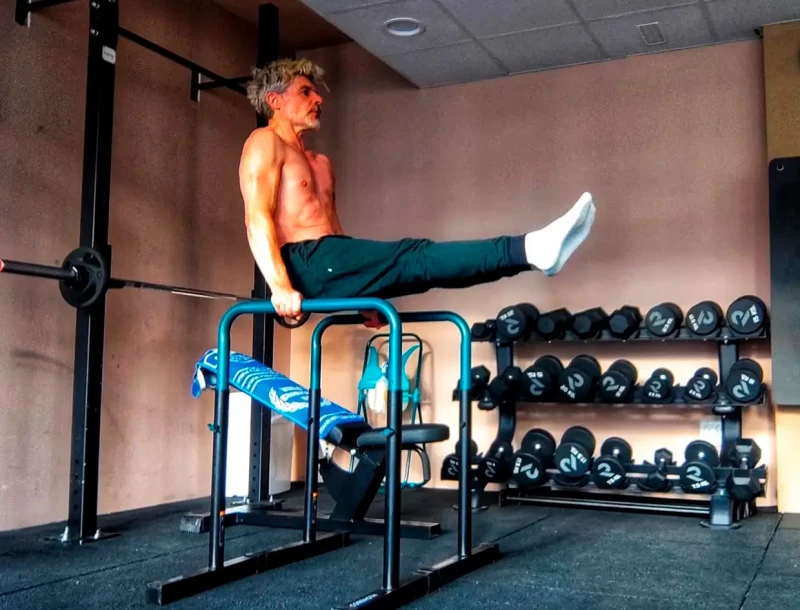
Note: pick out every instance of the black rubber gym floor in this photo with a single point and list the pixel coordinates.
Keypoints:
(552, 558)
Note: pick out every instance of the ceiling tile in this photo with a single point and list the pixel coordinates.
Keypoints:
(597, 9)
(541, 49)
(682, 27)
(365, 26)
(326, 7)
(491, 17)
(737, 19)
(445, 65)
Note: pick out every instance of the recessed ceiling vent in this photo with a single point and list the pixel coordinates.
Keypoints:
(651, 34)
(404, 26)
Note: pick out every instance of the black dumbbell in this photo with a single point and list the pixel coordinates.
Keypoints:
(578, 381)
(506, 386)
(540, 379)
(451, 465)
(608, 470)
(704, 319)
(702, 385)
(697, 472)
(497, 462)
(747, 315)
(479, 387)
(664, 320)
(656, 479)
(618, 382)
(658, 388)
(744, 483)
(516, 322)
(552, 325)
(744, 383)
(573, 457)
(624, 322)
(483, 331)
(589, 324)
(533, 458)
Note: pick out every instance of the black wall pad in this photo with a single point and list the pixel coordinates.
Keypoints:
(784, 238)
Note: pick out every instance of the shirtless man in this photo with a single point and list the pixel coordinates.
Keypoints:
(298, 242)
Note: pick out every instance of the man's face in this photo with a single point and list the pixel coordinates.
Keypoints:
(300, 103)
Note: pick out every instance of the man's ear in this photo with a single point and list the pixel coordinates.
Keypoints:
(273, 100)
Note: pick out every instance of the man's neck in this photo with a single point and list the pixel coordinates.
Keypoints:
(287, 133)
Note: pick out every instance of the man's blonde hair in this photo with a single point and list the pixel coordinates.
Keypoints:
(276, 77)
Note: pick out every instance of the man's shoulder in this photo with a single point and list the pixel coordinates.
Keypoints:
(263, 143)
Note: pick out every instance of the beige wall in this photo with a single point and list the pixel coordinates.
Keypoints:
(670, 145)
(176, 217)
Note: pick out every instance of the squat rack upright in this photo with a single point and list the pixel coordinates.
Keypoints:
(104, 32)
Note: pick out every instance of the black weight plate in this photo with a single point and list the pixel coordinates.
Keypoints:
(92, 277)
(618, 448)
(614, 387)
(551, 364)
(587, 364)
(750, 367)
(697, 477)
(664, 320)
(608, 473)
(575, 386)
(747, 315)
(572, 459)
(528, 470)
(742, 386)
(580, 436)
(699, 389)
(701, 451)
(538, 442)
(704, 318)
(627, 368)
(537, 383)
(657, 390)
(513, 322)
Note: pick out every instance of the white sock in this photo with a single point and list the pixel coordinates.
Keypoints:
(548, 248)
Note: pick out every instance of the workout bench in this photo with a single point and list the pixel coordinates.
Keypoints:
(393, 592)
(353, 492)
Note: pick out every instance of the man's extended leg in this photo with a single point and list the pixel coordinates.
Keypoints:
(344, 267)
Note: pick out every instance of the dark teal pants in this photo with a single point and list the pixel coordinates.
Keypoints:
(337, 266)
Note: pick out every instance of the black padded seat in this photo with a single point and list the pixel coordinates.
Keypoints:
(413, 434)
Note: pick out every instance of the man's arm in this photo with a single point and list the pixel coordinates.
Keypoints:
(259, 177)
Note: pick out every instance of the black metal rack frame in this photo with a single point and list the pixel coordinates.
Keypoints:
(722, 510)
(104, 33)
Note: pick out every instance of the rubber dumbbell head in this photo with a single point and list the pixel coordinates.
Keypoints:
(704, 319)
(483, 331)
(656, 478)
(589, 324)
(495, 467)
(573, 457)
(451, 465)
(540, 379)
(744, 383)
(744, 453)
(578, 381)
(664, 320)
(608, 470)
(533, 458)
(747, 315)
(618, 382)
(624, 323)
(697, 473)
(701, 386)
(658, 388)
(552, 325)
(516, 322)
(743, 485)
(506, 386)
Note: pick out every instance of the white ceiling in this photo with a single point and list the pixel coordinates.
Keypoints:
(470, 40)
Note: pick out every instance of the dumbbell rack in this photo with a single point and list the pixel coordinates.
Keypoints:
(722, 510)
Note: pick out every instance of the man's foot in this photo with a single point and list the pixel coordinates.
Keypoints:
(548, 248)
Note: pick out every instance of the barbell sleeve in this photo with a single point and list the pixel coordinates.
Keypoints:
(34, 270)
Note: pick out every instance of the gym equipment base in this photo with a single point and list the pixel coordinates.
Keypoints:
(68, 538)
(428, 579)
(180, 587)
(721, 511)
(254, 514)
